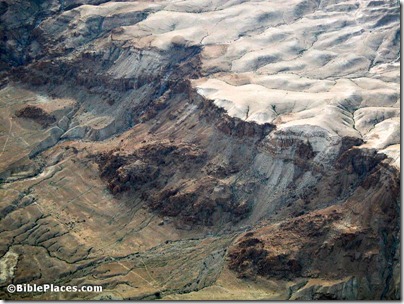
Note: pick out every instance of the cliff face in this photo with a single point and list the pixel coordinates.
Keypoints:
(180, 150)
(344, 243)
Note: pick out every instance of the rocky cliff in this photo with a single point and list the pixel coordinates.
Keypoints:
(194, 150)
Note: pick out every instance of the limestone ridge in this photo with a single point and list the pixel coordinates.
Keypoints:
(245, 137)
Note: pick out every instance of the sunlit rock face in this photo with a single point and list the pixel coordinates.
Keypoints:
(201, 149)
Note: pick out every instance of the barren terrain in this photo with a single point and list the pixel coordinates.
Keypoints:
(192, 149)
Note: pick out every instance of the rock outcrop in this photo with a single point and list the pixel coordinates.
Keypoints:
(192, 150)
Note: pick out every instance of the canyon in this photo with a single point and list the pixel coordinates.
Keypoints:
(201, 150)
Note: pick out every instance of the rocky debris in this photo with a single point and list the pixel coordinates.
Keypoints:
(359, 161)
(288, 130)
(326, 290)
(149, 172)
(331, 244)
(195, 201)
(20, 43)
(37, 114)
(122, 173)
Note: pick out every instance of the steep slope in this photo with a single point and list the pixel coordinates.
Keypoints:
(258, 143)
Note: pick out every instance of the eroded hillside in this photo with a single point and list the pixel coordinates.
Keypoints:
(201, 150)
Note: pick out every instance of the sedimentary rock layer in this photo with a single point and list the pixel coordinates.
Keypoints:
(194, 150)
